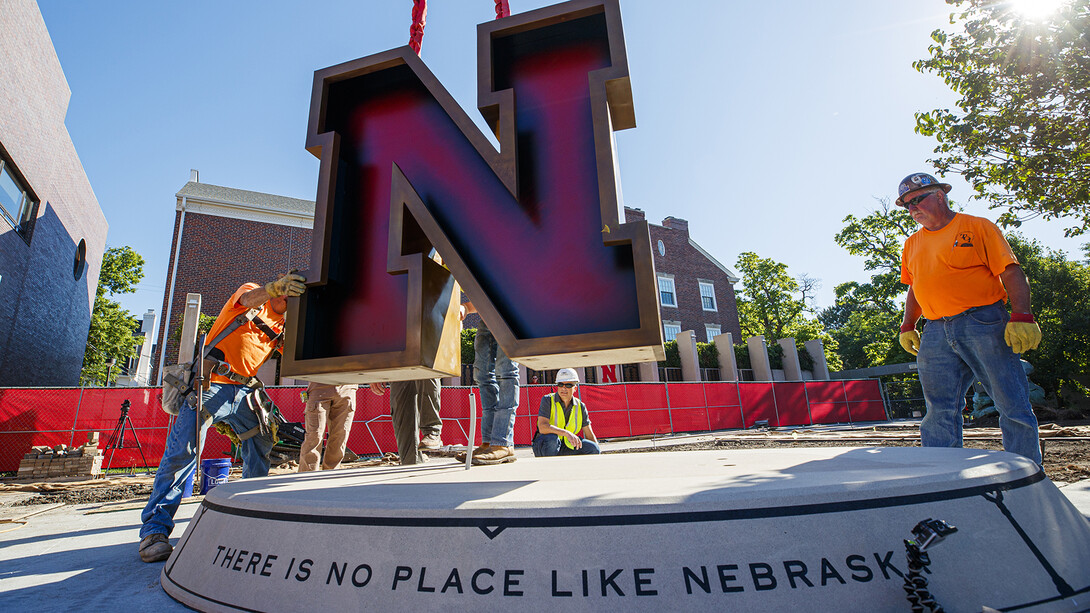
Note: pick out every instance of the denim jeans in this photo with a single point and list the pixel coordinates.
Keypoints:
(955, 351)
(548, 445)
(224, 403)
(498, 379)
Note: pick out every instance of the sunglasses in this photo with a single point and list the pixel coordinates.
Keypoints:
(917, 200)
(565, 385)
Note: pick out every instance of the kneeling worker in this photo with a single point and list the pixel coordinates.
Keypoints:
(563, 424)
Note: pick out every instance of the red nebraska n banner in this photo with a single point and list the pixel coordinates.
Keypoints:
(530, 231)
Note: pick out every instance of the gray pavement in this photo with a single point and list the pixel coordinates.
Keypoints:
(82, 558)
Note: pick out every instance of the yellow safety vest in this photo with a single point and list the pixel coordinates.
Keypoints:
(556, 418)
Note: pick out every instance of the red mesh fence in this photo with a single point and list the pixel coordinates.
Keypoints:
(53, 416)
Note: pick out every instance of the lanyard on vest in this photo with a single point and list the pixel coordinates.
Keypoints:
(556, 418)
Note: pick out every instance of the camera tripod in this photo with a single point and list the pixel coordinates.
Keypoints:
(117, 437)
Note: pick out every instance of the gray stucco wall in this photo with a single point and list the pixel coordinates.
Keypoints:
(44, 310)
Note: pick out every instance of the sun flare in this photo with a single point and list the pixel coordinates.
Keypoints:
(1035, 9)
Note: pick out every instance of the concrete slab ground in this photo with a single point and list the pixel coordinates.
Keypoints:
(79, 558)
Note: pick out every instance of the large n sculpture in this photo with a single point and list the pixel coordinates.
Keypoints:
(531, 231)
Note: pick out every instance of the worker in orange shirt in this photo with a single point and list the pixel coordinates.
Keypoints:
(960, 272)
(246, 333)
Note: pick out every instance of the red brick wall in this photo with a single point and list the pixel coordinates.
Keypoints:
(217, 255)
(689, 266)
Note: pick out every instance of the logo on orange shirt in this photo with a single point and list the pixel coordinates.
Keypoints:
(964, 239)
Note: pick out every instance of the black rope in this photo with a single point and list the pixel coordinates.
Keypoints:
(926, 534)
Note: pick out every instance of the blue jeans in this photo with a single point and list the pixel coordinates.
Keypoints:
(955, 351)
(548, 445)
(498, 379)
(224, 403)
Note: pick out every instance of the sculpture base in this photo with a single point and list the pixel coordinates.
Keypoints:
(758, 530)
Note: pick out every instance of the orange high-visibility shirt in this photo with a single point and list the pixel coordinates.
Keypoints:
(246, 348)
(957, 267)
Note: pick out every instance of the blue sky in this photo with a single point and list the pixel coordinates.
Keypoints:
(762, 123)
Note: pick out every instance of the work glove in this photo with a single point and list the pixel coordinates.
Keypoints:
(910, 340)
(1022, 333)
(289, 285)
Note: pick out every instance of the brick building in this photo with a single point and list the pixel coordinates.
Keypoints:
(52, 230)
(696, 292)
(224, 237)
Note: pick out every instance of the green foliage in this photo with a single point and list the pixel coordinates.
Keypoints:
(203, 325)
(1020, 132)
(1059, 288)
(468, 354)
(673, 357)
(768, 306)
(111, 331)
(741, 356)
(866, 316)
(707, 355)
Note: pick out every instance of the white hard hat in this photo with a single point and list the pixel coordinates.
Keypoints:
(564, 375)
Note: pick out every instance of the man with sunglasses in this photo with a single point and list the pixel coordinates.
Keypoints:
(563, 424)
(960, 270)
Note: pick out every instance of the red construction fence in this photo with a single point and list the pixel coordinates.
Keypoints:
(52, 416)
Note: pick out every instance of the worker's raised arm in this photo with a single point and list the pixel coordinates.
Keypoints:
(289, 285)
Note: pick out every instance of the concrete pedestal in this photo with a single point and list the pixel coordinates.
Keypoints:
(760, 530)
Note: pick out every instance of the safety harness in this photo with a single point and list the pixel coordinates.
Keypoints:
(213, 362)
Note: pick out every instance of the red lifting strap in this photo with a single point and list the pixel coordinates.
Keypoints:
(416, 30)
(420, 14)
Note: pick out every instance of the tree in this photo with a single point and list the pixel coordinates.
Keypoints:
(204, 324)
(1021, 132)
(1059, 288)
(866, 316)
(767, 303)
(111, 332)
(768, 306)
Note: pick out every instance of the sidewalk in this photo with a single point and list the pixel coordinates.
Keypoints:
(83, 557)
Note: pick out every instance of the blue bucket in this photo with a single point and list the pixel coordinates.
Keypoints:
(187, 488)
(214, 472)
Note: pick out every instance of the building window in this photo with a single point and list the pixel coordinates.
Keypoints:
(707, 296)
(80, 263)
(18, 206)
(667, 296)
(712, 331)
(670, 330)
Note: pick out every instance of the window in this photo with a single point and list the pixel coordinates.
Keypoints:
(670, 330)
(712, 331)
(80, 263)
(667, 297)
(18, 206)
(707, 295)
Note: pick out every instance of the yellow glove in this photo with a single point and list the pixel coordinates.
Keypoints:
(1022, 333)
(289, 285)
(910, 340)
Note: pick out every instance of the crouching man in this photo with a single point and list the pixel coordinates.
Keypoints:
(563, 424)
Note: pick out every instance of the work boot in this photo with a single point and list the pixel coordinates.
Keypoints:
(155, 548)
(461, 456)
(496, 455)
(430, 442)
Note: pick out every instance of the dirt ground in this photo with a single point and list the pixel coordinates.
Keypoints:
(1066, 457)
